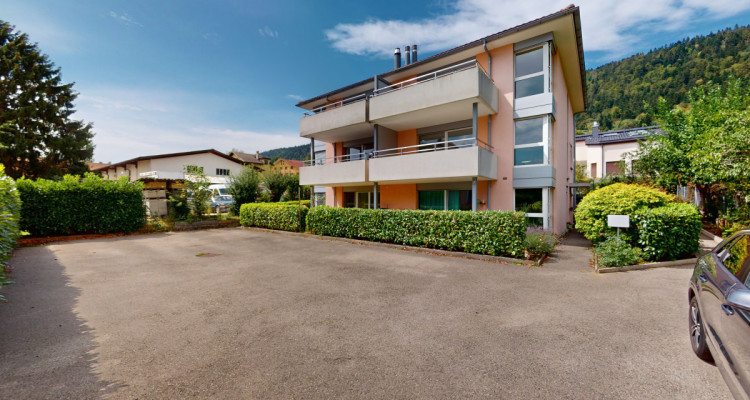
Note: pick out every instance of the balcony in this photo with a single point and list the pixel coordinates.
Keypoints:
(337, 171)
(438, 97)
(456, 161)
(343, 120)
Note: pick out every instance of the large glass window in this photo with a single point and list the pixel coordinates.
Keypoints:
(445, 200)
(533, 202)
(359, 151)
(320, 157)
(448, 139)
(531, 140)
(532, 72)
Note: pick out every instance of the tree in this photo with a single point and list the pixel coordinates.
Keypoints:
(38, 138)
(276, 183)
(707, 143)
(243, 188)
(196, 184)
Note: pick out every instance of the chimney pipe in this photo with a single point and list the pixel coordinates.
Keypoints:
(595, 128)
(414, 53)
(397, 58)
(408, 55)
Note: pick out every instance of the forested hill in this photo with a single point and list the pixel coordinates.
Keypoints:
(617, 91)
(300, 152)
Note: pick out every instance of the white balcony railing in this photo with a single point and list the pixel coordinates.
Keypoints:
(405, 150)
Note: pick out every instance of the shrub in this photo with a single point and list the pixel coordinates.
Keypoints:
(539, 242)
(669, 232)
(614, 252)
(74, 205)
(177, 204)
(286, 217)
(620, 199)
(244, 188)
(197, 187)
(485, 232)
(10, 212)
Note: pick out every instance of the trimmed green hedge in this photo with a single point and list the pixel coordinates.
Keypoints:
(10, 212)
(618, 199)
(669, 232)
(286, 217)
(486, 232)
(291, 203)
(91, 205)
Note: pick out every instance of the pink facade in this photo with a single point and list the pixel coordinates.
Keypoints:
(414, 135)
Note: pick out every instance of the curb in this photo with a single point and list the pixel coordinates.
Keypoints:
(711, 236)
(663, 264)
(438, 252)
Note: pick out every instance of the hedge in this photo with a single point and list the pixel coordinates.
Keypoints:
(486, 232)
(619, 199)
(74, 205)
(10, 211)
(669, 232)
(286, 217)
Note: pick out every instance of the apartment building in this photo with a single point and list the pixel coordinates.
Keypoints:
(603, 153)
(487, 125)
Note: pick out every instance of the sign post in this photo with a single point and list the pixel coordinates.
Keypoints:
(618, 221)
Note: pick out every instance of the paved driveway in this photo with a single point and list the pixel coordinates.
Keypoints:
(268, 315)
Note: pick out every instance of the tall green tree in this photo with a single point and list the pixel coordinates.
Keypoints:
(707, 143)
(38, 137)
(244, 188)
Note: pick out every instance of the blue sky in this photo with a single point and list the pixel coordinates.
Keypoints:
(169, 76)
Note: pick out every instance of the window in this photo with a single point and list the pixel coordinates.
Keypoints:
(222, 172)
(448, 139)
(593, 170)
(358, 152)
(193, 169)
(532, 72)
(320, 157)
(532, 141)
(614, 167)
(736, 257)
(444, 199)
(359, 200)
(533, 202)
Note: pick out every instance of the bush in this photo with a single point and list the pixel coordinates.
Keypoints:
(669, 232)
(614, 252)
(244, 188)
(284, 217)
(485, 232)
(619, 199)
(10, 212)
(539, 242)
(197, 187)
(90, 205)
(177, 205)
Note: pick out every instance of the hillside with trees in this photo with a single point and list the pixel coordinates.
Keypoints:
(301, 152)
(625, 93)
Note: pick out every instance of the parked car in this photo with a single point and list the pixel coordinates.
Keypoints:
(719, 317)
(221, 204)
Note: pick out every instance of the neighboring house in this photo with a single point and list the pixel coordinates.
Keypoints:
(164, 172)
(93, 166)
(487, 125)
(602, 152)
(257, 161)
(287, 167)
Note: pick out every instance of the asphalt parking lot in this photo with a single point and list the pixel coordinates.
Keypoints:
(236, 313)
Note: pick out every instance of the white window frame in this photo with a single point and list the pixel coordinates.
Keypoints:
(545, 214)
(546, 140)
(546, 69)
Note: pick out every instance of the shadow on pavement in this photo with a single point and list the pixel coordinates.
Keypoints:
(47, 350)
(576, 239)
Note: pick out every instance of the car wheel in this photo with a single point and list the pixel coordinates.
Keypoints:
(698, 332)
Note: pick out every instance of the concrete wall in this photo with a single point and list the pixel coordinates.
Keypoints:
(562, 150)
(453, 164)
(348, 115)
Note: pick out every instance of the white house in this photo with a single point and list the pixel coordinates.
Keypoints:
(216, 165)
(602, 152)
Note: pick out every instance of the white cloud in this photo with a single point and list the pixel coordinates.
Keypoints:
(135, 122)
(212, 37)
(124, 18)
(295, 97)
(268, 32)
(608, 25)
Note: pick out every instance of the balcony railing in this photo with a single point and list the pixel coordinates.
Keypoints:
(399, 151)
(430, 77)
(397, 86)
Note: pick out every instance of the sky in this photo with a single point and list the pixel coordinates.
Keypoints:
(167, 76)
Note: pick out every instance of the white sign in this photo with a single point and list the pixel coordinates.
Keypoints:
(618, 221)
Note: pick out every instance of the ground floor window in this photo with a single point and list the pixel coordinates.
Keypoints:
(445, 199)
(359, 200)
(535, 203)
(319, 199)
